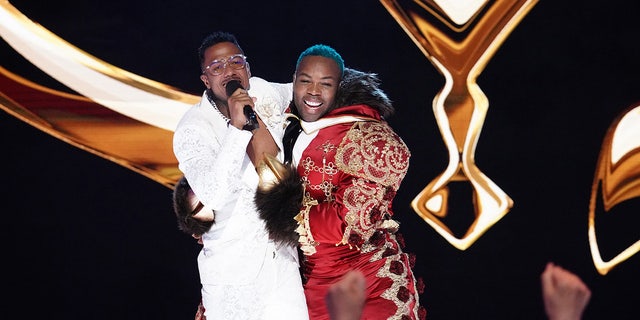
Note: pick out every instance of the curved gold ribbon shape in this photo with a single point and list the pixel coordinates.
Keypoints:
(459, 38)
(616, 179)
(118, 115)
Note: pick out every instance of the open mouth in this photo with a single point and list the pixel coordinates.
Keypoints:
(313, 104)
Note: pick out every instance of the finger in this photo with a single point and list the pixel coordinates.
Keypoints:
(546, 278)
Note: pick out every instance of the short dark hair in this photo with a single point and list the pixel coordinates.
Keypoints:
(182, 194)
(215, 38)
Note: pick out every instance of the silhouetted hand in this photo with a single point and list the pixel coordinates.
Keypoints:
(345, 298)
(565, 295)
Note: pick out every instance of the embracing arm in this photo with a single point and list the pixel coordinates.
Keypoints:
(261, 143)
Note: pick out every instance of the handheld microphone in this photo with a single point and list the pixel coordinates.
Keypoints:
(252, 120)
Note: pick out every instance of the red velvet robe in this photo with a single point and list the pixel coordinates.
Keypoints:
(353, 170)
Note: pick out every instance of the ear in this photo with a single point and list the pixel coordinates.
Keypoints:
(248, 70)
(205, 81)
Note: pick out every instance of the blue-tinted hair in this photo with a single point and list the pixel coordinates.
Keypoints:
(323, 51)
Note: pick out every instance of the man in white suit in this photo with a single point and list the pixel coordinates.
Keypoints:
(244, 274)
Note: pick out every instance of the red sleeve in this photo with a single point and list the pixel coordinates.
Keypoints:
(371, 161)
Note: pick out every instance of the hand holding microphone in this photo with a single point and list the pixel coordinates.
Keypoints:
(252, 120)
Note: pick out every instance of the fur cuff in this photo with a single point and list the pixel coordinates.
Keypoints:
(278, 199)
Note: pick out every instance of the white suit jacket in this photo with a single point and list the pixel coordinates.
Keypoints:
(213, 158)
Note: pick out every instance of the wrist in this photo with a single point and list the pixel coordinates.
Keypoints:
(250, 125)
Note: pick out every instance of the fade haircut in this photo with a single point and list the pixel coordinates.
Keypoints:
(323, 51)
(183, 208)
(215, 38)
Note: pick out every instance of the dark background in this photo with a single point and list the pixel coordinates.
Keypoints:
(89, 239)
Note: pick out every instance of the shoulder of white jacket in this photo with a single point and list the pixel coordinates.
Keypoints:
(257, 83)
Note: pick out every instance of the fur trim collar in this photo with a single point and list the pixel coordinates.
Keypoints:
(359, 87)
